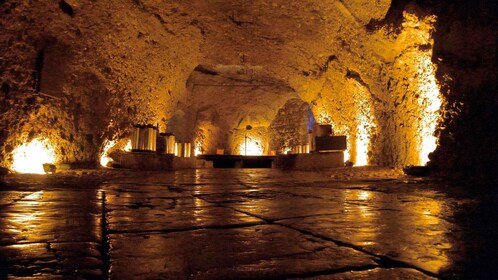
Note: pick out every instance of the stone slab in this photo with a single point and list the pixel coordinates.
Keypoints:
(376, 273)
(272, 205)
(422, 241)
(128, 213)
(81, 260)
(52, 216)
(266, 251)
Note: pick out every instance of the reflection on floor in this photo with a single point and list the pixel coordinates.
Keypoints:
(242, 223)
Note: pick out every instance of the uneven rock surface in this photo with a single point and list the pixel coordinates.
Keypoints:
(399, 78)
(466, 54)
(244, 224)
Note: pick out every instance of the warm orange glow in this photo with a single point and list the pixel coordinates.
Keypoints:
(363, 195)
(428, 98)
(359, 210)
(197, 148)
(104, 157)
(430, 101)
(324, 117)
(28, 219)
(360, 129)
(347, 154)
(254, 147)
(362, 140)
(30, 157)
(128, 146)
(427, 214)
(364, 126)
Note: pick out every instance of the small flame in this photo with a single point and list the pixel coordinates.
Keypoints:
(104, 157)
(30, 157)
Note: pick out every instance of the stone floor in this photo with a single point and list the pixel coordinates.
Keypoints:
(245, 224)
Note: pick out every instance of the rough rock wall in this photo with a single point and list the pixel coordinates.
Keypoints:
(465, 51)
(290, 126)
(137, 55)
(413, 110)
(371, 68)
(104, 66)
(376, 84)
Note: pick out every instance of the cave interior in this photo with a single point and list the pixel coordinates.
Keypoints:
(408, 82)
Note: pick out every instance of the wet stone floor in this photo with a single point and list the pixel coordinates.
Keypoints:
(243, 224)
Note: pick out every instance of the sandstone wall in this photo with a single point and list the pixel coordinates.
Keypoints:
(290, 126)
(101, 66)
(384, 73)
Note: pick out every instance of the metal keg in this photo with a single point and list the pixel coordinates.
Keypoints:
(170, 144)
(151, 138)
(178, 149)
(299, 149)
(306, 148)
(135, 138)
(186, 149)
(144, 138)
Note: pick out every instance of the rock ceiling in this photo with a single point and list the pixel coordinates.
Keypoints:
(92, 69)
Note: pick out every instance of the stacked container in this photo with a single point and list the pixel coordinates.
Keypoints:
(170, 144)
(135, 138)
(186, 149)
(144, 138)
(301, 149)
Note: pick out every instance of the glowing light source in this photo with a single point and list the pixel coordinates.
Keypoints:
(104, 157)
(364, 126)
(362, 140)
(430, 101)
(198, 149)
(425, 99)
(347, 154)
(363, 195)
(128, 146)
(324, 117)
(254, 148)
(30, 157)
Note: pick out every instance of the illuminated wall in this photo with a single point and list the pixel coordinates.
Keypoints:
(97, 74)
(367, 67)
(416, 100)
(346, 103)
(252, 143)
(30, 157)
